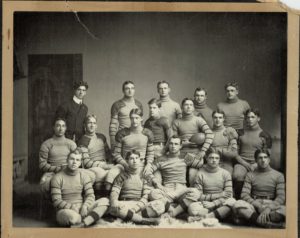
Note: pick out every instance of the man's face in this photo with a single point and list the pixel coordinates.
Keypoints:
(129, 90)
(174, 145)
(218, 119)
(188, 107)
(134, 161)
(74, 161)
(80, 92)
(136, 120)
(163, 89)
(252, 119)
(213, 160)
(154, 110)
(59, 128)
(200, 96)
(231, 92)
(263, 160)
(91, 125)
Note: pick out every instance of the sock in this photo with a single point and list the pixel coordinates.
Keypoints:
(238, 186)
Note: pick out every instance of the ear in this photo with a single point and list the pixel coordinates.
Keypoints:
(258, 118)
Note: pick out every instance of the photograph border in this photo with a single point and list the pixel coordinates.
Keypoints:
(9, 7)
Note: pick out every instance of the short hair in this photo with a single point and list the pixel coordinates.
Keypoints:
(78, 84)
(88, 117)
(218, 111)
(186, 99)
(126, 83)
(133, 152)
(175, 137)
(232, 84)
(155, 101)
(212, 150)
(160, 82)
(59, 119)
(136, 111)
(75, 152)
(254, 110)
(200, 89)
(263, 150)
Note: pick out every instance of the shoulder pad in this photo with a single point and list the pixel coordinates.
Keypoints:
(240, 132)
(122, 133)
(163, 121)
(101, 136)
(149, 134)
(267, 140)
(84, 141)
(116, 107)
(231, 133)
(139, 104)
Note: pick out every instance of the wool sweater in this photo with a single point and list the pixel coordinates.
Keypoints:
(129, 139)
(225, 139)
(267, 183)
(74, 114)
(189, 125)
(120, 114)
(215, 185)
(71, 187)
(234, 112)
(203, 110)
(160, 128)
(98, 150)
(252, 139)
(170, 109)
(54, 153)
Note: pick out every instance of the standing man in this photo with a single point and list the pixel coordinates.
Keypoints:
(54, 153)
(187, 128)
(74, 111)
(263, 194)
(120, 111)
(225, 141)
(233, 107)
(201, 107)
(170, 109)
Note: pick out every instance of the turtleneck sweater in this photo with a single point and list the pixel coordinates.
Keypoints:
(234, 112)
(265, 183)
(252, 139)
(160, 128)
(54, 153)
(214, 184)
(120, 114)
(130, 185)
(203, 110)
(71, 187)
(189, 125)
(170, 109)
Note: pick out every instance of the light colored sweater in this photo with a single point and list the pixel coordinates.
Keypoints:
(170, 109)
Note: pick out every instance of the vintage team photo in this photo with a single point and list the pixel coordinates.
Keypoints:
(149, 119)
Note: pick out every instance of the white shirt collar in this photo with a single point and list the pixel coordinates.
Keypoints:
(77, 100)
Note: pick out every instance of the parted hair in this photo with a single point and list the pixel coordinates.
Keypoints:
(200, 89)
(133, 152)
(88, 117)
(125, 83)
(155, 101)
(186, 99)
(160, 82)
(254, 110)
(263, 150)
(218, 111)
(212, 150)
(232, 84)
(77, 84)
(136, 111)
(59, 119)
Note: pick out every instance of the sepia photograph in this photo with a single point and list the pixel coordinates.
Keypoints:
(158, 118)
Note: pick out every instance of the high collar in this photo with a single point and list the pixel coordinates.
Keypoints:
(71, 172)
(219, 128)
(128, 99)
(200, 105)
(136, 130)
(211, 170)
(77, 100)
(165, 99)
(187, 116)
(58, 137)
(133, 171)
(255, 128)
(232, 100)
(262, 170)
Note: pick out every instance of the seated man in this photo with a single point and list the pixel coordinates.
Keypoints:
(72, 194)
(263, 194)
(173, 170)
(214, 196)
(54, 153)
(186, 128)
(128, 197)
(225, 141)
(96, 153)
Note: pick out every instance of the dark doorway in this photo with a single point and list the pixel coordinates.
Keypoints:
(50, 81)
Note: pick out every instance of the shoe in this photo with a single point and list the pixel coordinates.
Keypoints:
(195, 218)
(78, 225)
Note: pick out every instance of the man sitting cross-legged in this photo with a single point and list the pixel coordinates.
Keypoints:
(214, 196)
(263, 194)
(96, 153)
(72, 193)
(173, 170)
(129, 195)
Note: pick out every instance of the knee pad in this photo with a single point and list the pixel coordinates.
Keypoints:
(197, 209)
(156, 194)
(155, 208)
(66, 217)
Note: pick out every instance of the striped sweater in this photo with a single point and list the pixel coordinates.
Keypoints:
(54, 153)
(215, 185)
(69, 187)
(267, 183)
